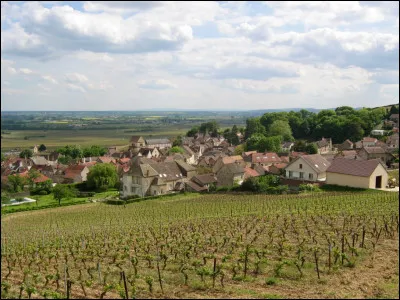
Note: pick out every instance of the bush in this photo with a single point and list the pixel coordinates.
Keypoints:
(309, 187)
(43, 192)
(270, 281)
(85, 194)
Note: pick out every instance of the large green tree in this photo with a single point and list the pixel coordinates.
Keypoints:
(42, 148)
(62, 191)
(281, 128)
(253, 126)
(16, 183)
(26, 153)
(102, 177)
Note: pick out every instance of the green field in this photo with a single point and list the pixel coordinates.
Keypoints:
(57, 138)
(43, 201)
(326, 245)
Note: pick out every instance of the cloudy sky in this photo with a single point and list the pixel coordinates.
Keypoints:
(198, 55)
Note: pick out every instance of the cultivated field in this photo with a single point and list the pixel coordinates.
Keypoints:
(328, 245)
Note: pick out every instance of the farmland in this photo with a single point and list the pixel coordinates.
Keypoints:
(324, 245)
(54, 129)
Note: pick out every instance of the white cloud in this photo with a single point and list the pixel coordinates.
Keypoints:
(25, 71)
(156, 84)
(50, 79)
(74, 87)
(220, 53)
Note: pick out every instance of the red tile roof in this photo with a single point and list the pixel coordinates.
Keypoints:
(249, 172)
(369, 139)
(106, 159)
(269, 157)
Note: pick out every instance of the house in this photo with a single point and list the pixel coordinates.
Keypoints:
(249, 172)
(349, 154)
(394, 118)
(76, 173)
(264, 159)
(308, 167)
(230, 173)
(147, 177)
(137, 141)
(35, 149)
(105, 160)
(149, 152)
(287, 146)
(39, 161)
(277, 169)
(366, 142)
(369, 174)
(224, 160)
(247, 155)
(324, 145)
(393, 141)
(346, 145)
(160, 143)
(375, 152)
(201, 183)
(111, 150)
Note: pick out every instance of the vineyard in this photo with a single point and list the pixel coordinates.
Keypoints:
(215, 245)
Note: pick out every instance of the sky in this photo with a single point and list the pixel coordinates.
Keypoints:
(230, 55)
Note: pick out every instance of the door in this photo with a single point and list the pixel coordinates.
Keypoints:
(378, 182)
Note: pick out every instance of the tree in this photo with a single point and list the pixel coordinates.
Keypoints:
(33, 174)
(42, 148)
(270, 144)
(16, 183)
(311, 148)
(192, 132)
(281, 128)
(394, 109)
(102, 177)
(61, 191)
(178, 141)
(239, 149)
(176, 149)
(26, 153)
(93, 150)
(3, 158)
(253, 126)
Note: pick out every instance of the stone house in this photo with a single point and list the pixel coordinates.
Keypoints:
(76, 174)
(229, 174)
(346, 145)
(324, 145)
(375, 153)
(287, 146)
(159, 143)
(263, 159)
(200, 183)
(137, 141)
(146, 177)
(393, 141)
(308, 167)
(370, 174)
(221, 161)
(149, 152)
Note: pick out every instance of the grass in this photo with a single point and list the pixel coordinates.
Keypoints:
(47, 201)
(58, 138)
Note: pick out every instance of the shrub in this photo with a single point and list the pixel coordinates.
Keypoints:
(43, 192)
(309, 187)
(270, 281)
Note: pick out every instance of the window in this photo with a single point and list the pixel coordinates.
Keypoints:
(300, 167)
(132, 190)
(290, 174)
(310, 176)
(301, 175)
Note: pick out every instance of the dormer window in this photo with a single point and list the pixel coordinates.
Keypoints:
(300, 166)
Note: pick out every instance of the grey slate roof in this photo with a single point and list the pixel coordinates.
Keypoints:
(363, 168)
(157, 141)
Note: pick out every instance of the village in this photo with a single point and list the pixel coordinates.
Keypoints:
(205, 163)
